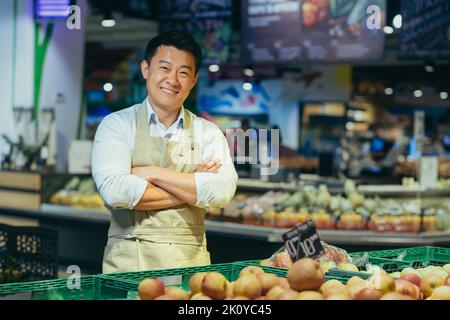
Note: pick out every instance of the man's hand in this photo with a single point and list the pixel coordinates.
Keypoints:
(209, 165)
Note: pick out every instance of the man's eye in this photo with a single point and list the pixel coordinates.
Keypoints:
(164, 68)
(184, 73)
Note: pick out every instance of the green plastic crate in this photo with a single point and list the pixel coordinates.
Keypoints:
(415, 256)
(91, 288)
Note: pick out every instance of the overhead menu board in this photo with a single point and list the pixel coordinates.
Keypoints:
(425, 31)
(312, 30)
(208, 20)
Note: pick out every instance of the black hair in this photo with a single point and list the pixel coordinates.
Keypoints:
(178, 39)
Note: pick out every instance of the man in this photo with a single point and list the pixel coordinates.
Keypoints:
(153, 166)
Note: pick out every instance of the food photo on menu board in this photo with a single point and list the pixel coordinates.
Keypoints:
(320, 30)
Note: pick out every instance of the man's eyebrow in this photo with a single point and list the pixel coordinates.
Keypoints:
(183, 66)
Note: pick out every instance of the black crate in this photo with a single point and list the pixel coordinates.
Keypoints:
(28, 254)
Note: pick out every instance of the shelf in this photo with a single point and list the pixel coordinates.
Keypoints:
(265, 234)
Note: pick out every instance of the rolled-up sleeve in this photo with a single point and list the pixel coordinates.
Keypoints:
(216, 190)
(111, 165)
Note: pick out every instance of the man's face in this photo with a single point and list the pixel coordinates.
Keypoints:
(170, 76)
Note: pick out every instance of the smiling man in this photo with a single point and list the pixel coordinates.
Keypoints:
(158, 167)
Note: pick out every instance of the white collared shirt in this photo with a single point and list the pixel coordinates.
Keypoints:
(113, 147)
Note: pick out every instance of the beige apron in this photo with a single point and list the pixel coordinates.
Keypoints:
(172, 238)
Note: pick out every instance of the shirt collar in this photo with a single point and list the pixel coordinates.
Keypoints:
(153, 117)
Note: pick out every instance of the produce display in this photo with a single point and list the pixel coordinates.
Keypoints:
(79, 193)
(349, 211)
(305, 281)
(408, 167)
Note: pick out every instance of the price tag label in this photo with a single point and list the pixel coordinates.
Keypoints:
(303, 241)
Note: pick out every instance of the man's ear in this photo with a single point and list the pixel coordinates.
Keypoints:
(144, 68)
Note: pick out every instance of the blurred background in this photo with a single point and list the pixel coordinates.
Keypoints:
(358, 90)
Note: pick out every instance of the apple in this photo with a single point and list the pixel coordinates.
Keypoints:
(395, 296)
(165, 297)
(176, 293)
(214, 285)
(309, 295)
(288, 295)
(266, 263)
(149, 289)
(327, 265)
(305, 274)
(195, 282)
(447, 280)
(283, 260)
(248, 286)
(355, 289)
(408, 270)
(440, 272)
(430, 282)
(382, 282)
(267, 281)
(395, 275)
(284, 283)
(229, 291)
(407, 288)
(413, 278)
(200, 296)
(440, 293)
(251, 269)
(447, 268)
(274, 293)
(240, 298)
(369, 294)
(348, 267)
(354, 280)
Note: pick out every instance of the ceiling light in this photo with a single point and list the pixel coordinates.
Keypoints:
(388, 91)
(443, 95)
(247, 86)
(397, 21)
(388, 30)
(418, 93)
(214, 68)
(249, 72)
(108, 87)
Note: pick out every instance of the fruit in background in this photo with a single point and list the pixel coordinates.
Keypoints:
(447, 268)
(282, 260)
(266, 263)
(214, 285)
(149, 289)
(310, 295)
(274, 293)
(336, 288)
(248, 286)
(284, 283)
(252, 270)
(195, 282)
(395, 275)
(439, 272)
(354, 280)
(382, 282)
(395, 296)
(261, 298)
(447, 281)
(288, 295)
(413, 278)
(430, 282)
(200, 296)
(348, 267)
(376, 270)
(441, 293)
(330, 283)
(176, 293)
(369, 294)
(409, 270)
(305, 274)
(327, 265)
(267, 281)
(355, 289)
(407, 288)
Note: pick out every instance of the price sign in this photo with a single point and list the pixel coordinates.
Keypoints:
(303, 241)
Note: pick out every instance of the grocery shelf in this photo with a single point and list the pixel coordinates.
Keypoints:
(266, 234)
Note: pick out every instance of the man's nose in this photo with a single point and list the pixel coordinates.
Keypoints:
(172, 79)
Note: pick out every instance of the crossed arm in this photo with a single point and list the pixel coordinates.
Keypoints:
(167, 188)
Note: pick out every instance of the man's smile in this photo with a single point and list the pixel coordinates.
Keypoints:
(169, 91)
